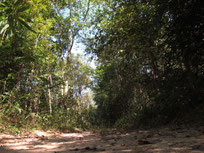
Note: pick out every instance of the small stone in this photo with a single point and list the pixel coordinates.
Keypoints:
(187, 136)
(87, 148)
(143, 142)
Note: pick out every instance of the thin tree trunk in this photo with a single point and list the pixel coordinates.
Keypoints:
(50, 101)
(50, 94)
(69, 47)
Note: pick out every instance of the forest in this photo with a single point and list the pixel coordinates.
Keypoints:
(149, 63)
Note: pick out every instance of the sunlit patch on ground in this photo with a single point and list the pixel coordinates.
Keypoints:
(154, 141)
(77, 135)
(41, 133)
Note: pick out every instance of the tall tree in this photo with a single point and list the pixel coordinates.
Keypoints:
(34, 39)
(147, 51)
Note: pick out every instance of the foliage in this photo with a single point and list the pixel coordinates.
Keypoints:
(151, 61)
(149, 54)
(34, 70)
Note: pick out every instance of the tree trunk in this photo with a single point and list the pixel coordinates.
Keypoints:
(69, 47)
(50, 94)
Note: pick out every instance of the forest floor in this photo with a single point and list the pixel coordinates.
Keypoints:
(161, 140)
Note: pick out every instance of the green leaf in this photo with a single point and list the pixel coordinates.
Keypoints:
(3, 22)
(23, 9)
(4, 28)
(2, 8)
(18, 2)
(11, 75)
(16, 59)
(2, 4)
(26, 25)
(18, 108)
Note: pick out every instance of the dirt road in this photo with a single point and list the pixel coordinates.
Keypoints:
(165, 140)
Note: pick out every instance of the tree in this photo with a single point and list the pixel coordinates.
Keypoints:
(147, 51)
(31, 65)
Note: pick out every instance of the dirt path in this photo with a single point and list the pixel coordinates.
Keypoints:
(166, 140)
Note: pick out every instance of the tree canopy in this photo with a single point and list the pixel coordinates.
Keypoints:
(151, 60)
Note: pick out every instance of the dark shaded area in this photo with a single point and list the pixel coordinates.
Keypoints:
(152, 62)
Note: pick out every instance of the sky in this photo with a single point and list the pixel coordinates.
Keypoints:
(79, 48)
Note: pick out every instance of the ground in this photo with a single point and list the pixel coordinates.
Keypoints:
(162, 140)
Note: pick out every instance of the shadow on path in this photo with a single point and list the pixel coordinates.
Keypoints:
(164, 140)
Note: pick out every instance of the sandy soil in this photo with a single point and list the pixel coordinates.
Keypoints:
(165, 140)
